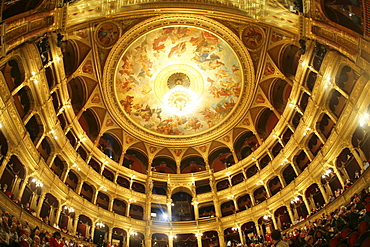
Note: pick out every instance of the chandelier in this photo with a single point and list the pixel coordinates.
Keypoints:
(180, 101)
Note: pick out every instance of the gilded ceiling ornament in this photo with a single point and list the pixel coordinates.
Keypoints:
(107, 34)
(176, 82)
(253, 37)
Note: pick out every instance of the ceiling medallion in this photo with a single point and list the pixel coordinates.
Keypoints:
(178, 81)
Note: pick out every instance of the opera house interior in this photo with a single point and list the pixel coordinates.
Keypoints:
(182, 122)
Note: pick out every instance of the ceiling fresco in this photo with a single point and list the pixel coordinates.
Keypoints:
(178, 80)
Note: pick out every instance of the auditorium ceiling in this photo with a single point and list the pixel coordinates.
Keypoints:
(176, 88)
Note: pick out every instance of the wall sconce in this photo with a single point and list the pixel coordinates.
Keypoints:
(37, 182)
(295, 200)
(69, 209)
(100, 224)
(267, 217)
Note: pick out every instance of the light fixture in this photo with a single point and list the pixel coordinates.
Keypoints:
(295, 200)
(37, 182)
(100, 224)
(164, 216)
(180, 101)
(69, 209)
(327, 174)
(266, 217)
(364, 120)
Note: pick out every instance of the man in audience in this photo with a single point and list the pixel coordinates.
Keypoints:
(276, 239)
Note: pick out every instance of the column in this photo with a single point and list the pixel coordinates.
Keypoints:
(128, 238)
(14, 187)
(217, 207)
(323, 193)
(235, 205)
(196, 210)
(252, 199)
(267, 191)
(274, 221)
(282, 181)
(21, 190)
(65, 175)
(91, 234)
(41, 201)
(3, 165)
(95, 196)
(33, 201)
(328, 189)
(148, 238)
(290, 212)
(199, 240)
(258, 229)
(242, 241)
(296, 169)
(57, 216)
(75, 222)
(309, 209)
(128, 210)
(221, 239)
(169, 208)
(357, 157)
(110, 206)
(51, 214)
(170, 240)
(110, 232)
(336, 171)
(79, 187)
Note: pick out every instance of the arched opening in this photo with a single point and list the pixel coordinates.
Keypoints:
(182, 209)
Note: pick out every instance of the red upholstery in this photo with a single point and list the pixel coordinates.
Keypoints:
(344, 233)
(366, 243)
(334, 242)
(24, 244)
(362, 227)
(353, 238)
(368, 207)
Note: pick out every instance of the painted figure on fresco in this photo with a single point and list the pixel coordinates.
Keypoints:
(149, 55)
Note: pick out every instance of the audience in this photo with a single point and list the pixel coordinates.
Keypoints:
(318, 233)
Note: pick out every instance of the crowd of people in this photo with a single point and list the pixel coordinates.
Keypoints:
(318, 233)
(15, 233)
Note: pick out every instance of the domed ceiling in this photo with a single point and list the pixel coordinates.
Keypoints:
(178, 81)
(180, 88)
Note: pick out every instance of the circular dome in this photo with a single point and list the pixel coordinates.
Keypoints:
(178, 82)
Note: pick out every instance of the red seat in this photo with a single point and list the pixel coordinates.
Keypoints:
(362, 227)
(366, 243)
(334, 242)
(344, 233)
(353, 238)
(24, 244)
(368, 207)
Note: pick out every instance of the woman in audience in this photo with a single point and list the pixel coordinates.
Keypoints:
(56, 240)
(4, 232)
(13, 235)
